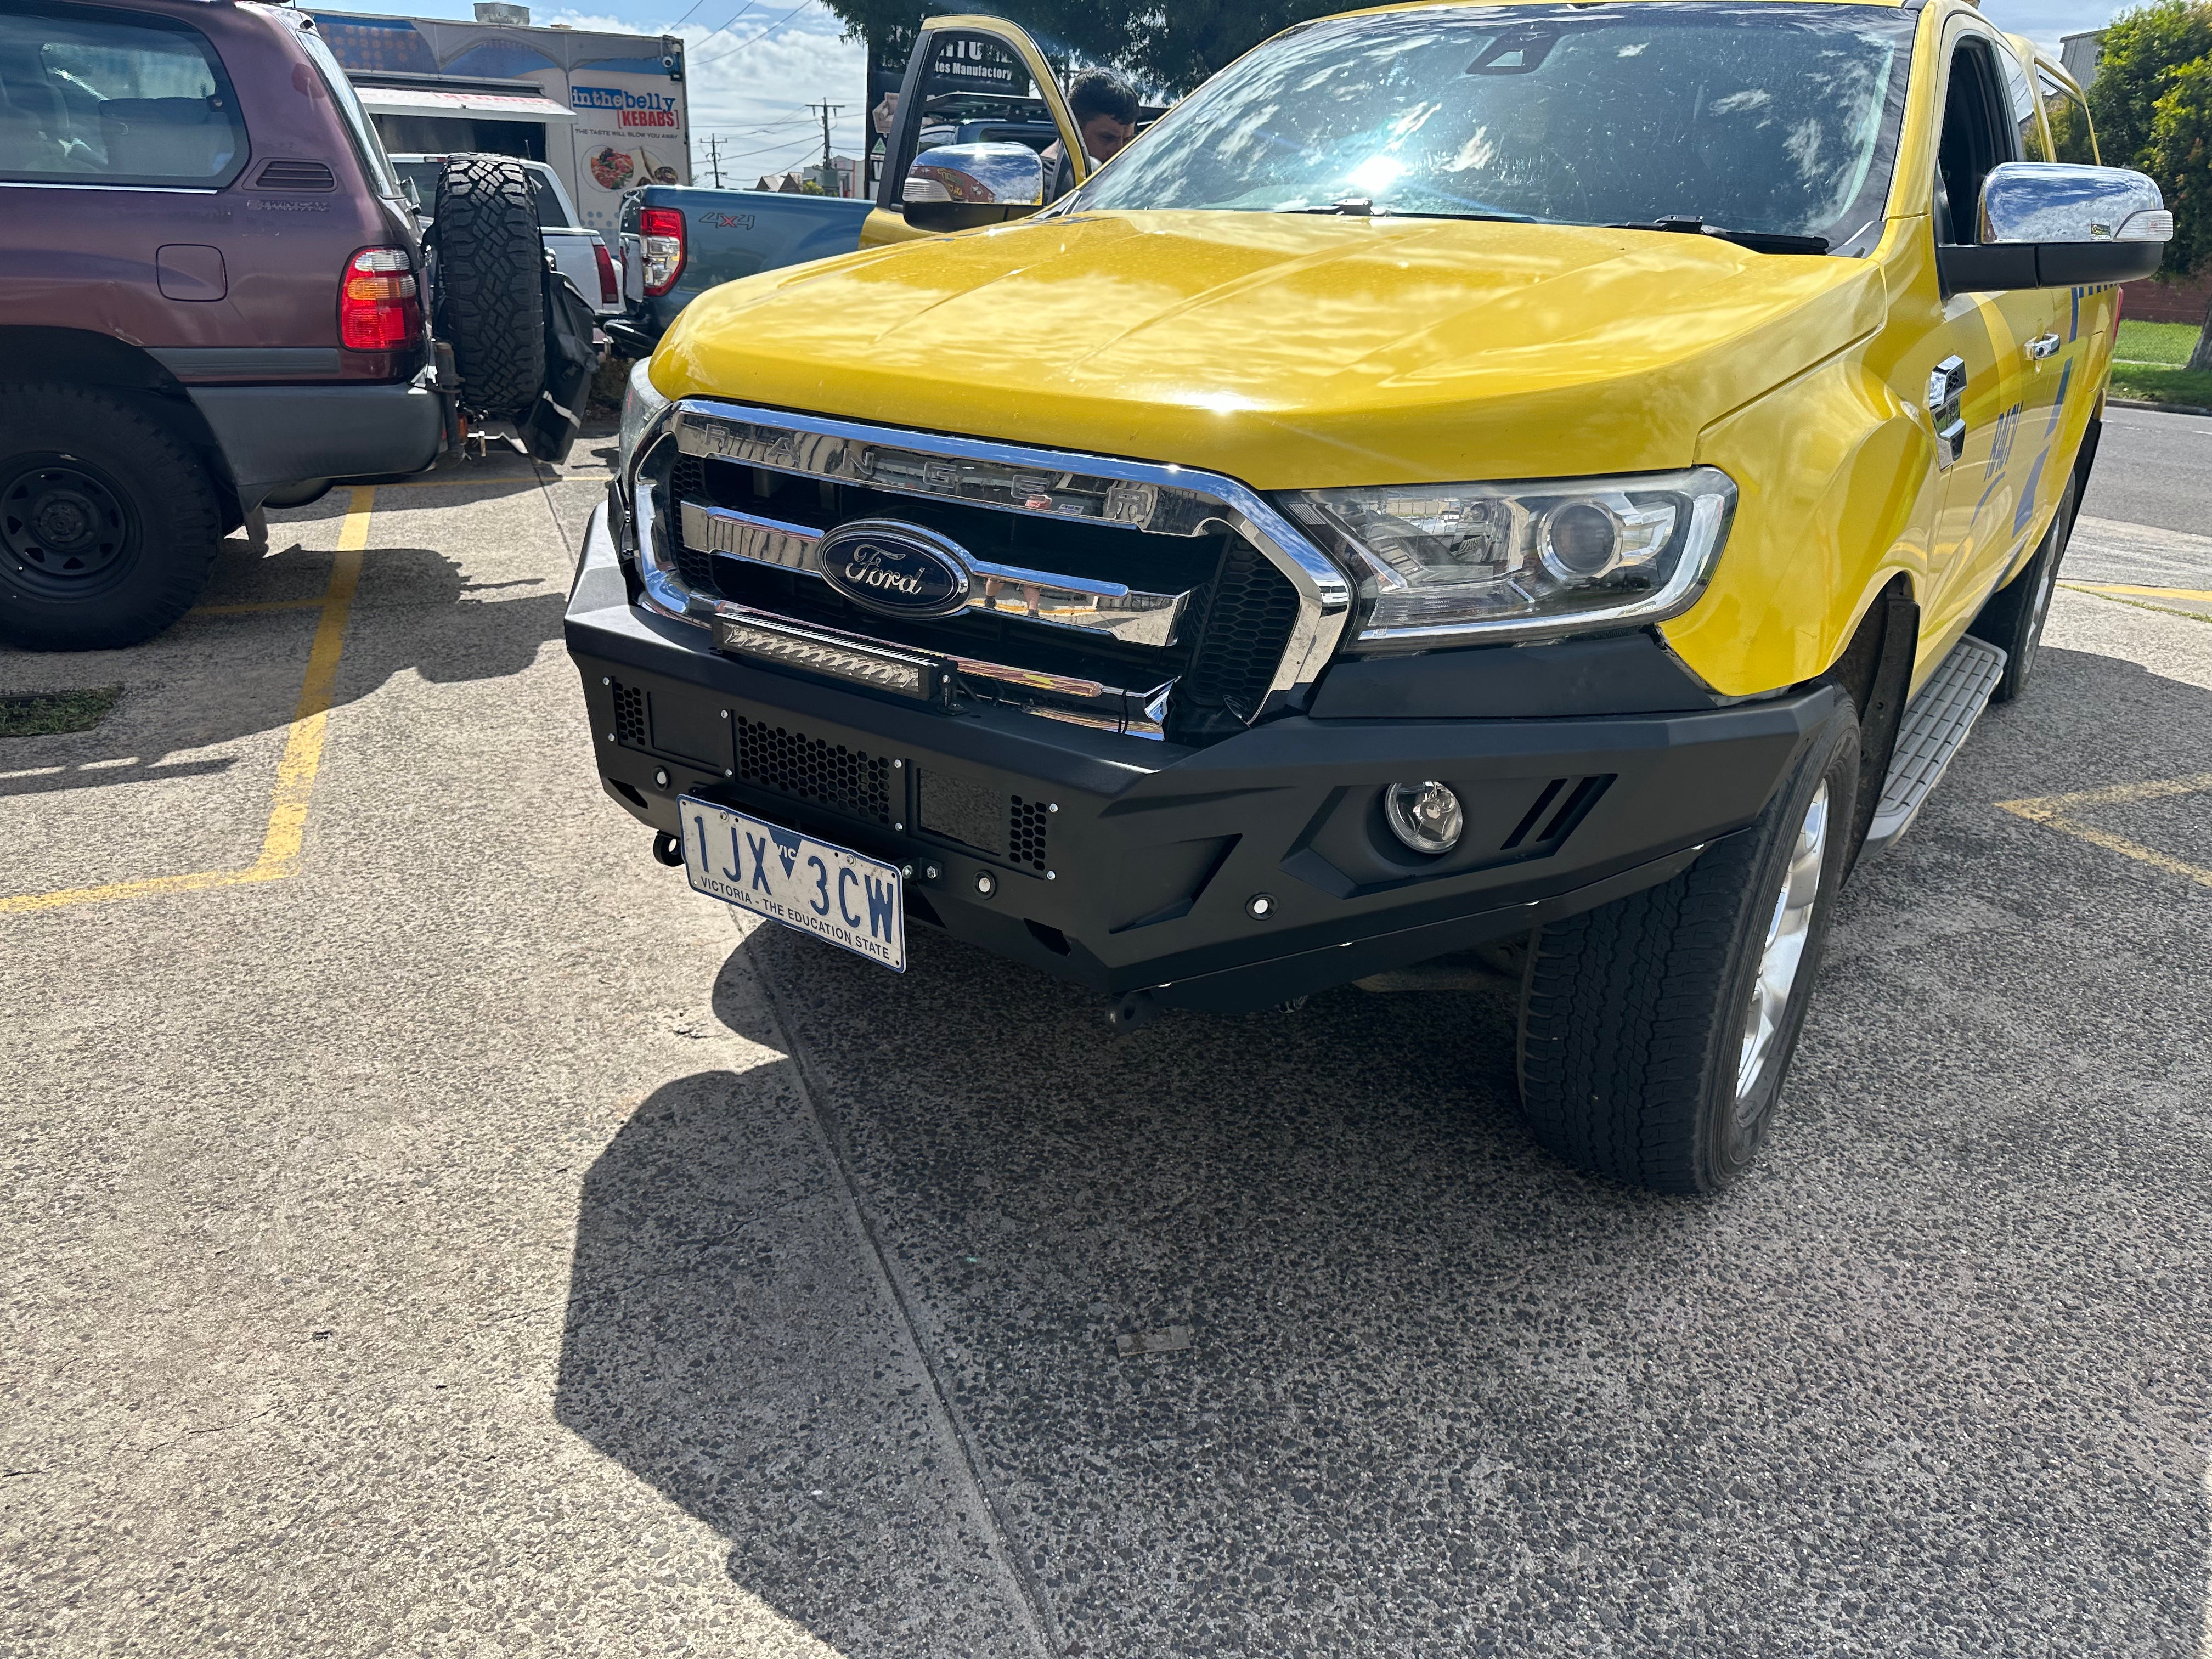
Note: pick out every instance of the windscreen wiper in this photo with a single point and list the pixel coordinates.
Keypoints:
(1759, 242)
(1360, 206)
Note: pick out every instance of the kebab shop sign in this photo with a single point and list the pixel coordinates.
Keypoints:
(624, 138)
(632, 109)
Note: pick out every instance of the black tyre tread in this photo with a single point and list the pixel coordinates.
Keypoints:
(1621, 1004)
(490, 256)
(180, 516)
(1627, 1011)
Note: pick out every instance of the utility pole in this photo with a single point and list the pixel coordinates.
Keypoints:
(714, 157)
(828, 175)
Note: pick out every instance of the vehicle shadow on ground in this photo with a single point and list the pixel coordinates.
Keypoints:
(1928, 1380)
(217, 677)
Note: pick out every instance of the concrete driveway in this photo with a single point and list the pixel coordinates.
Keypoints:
(431, 1229)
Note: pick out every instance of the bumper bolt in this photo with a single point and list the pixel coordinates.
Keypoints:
(660, 779)
(725, 713)
(985, 883)
(1052, 806)
(931, 872)
(1260, 905)
(605, 680)
(1052, 875)
(907, 870)
(611, 737)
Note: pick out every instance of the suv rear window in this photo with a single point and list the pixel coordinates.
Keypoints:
(89, 97)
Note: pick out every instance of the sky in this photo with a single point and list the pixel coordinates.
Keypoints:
(753, 68)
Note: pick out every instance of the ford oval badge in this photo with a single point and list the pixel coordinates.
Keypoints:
(898, 569)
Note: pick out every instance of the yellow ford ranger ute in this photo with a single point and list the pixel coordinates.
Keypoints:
(1554, 480)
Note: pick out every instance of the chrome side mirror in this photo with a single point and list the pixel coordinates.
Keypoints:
(993, 175)
(2049, 224)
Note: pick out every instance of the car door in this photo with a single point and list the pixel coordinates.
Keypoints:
(2046, 323)
(962, 68)
(1996, 353)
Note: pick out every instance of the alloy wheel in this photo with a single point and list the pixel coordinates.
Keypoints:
(1788, 928)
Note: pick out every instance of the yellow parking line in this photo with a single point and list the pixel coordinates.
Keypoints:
(2056, 812)
(303, 748)
(2198, 593)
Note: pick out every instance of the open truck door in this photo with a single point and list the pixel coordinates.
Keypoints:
(977, 93)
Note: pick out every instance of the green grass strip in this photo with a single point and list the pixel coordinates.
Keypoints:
(2169, 343)
(2153, 384)
(43, 713)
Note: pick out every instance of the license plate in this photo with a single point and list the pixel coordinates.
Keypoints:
(819, 889)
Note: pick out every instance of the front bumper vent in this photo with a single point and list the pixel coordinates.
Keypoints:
(985, 820)
(847, 780)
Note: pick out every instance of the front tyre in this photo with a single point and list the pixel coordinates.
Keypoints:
(1656, 1031)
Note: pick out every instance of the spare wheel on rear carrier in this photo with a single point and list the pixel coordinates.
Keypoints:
(489, 303)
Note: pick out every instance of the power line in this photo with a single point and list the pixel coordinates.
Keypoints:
(727, 22)
(763, 35)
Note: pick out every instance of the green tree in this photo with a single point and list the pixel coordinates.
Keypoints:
(1168, 49)
(2180, 157)
(2142, 49)
(2152, 104)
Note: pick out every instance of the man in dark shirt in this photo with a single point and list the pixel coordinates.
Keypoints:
(1105, 111)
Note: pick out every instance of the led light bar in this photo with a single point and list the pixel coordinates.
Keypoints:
(922, 678)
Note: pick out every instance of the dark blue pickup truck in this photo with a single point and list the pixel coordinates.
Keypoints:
(677, 242)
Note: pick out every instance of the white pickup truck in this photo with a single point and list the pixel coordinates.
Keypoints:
(577, 250)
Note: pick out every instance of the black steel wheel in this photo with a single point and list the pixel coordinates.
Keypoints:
(63, 523)
(108, 524)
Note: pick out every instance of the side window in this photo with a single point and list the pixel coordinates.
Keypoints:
(2026, 121)
(90, 98)
(1978, 132)
(347, 102)
(2070, 137)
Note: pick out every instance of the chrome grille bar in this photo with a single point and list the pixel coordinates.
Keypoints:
(1040, 596)
(1139, 495)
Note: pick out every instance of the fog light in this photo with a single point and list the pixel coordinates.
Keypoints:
(1426, 817)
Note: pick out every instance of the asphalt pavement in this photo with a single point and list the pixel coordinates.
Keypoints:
(433, 1229)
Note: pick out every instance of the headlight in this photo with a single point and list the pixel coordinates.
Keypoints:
(1475, 561)
(639, 404)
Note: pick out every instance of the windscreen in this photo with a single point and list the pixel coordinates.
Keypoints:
(1779, 119)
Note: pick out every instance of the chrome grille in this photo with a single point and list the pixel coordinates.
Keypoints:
(1118, 594)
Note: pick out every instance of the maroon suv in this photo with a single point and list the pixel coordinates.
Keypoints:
(210, 300)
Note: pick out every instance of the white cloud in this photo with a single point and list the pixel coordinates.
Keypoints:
(750, 84)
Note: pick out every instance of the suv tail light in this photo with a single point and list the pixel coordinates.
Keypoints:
(662, 229)
(378, 308)
(609, 284)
